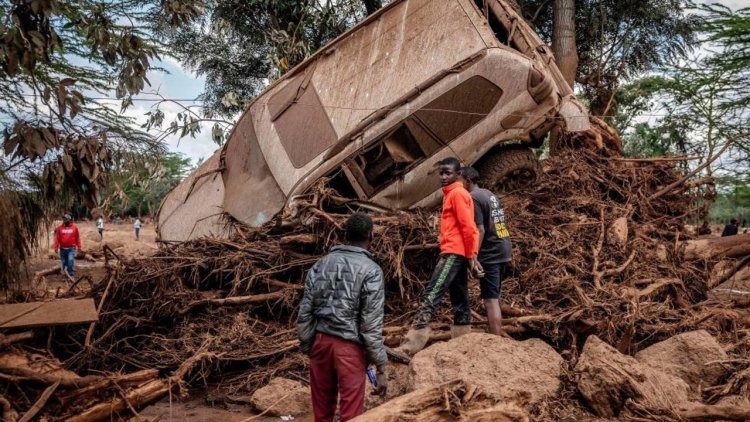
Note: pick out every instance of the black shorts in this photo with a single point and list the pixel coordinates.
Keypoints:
(490, 284)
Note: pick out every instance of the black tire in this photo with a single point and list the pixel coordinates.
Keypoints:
(509, 169)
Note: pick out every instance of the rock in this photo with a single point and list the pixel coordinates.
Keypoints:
(688, 356)
(607, 379)
(502, 367)
(282, 397)
(618, 232)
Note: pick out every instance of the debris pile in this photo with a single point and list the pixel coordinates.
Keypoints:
(599, 250)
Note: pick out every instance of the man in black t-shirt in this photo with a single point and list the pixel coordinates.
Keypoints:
(494, 246)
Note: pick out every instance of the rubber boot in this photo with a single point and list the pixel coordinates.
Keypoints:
(459, 330)
(415, 340)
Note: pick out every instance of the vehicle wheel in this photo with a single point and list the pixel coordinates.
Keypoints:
(508, 169)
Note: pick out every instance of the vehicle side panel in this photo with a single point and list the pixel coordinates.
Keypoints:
(370, 69)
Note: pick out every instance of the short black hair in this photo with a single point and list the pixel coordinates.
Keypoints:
(358, 227)
(451, 161)
(470, 173)
(734, 221)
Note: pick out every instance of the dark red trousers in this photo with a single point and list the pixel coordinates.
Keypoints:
(337, 368)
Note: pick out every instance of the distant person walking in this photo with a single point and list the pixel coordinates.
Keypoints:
(340, 324)
(100, 227)
(67, 242)
(137, 228)
(731, 228)
(494, 246)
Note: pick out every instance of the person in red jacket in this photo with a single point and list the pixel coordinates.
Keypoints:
(67, 241)
(459, 244)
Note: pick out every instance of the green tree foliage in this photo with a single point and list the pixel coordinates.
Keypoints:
(139, 184)
(730, 31)
(239, 46)
(619, 41)
(733, 200)
(56, 57)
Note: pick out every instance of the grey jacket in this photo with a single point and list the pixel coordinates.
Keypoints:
(344, 297)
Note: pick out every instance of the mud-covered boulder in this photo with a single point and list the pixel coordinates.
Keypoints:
(282, 397)
(607, 379)
(527, 371)
(692, 356)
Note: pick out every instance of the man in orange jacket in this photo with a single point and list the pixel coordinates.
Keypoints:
(459, 244)
(67, 240)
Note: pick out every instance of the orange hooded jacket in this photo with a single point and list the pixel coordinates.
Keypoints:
(458, 232)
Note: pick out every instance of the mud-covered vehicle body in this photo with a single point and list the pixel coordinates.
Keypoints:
(375, 109)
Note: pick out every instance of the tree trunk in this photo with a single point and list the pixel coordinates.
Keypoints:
(564, 39)
(566, 54)
(736, 246)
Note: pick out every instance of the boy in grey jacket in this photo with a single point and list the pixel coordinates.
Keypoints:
(340, 324)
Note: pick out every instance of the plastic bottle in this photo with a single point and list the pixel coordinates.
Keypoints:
(372, 376)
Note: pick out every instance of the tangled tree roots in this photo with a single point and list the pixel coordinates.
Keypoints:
(594, 253)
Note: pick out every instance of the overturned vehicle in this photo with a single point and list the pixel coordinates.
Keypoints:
(375, 109)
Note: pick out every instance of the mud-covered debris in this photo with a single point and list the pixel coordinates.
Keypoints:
(607, 379)
(283, 397)
(527, 371)
(695, 356)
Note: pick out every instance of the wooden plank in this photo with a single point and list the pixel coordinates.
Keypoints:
(45, 314)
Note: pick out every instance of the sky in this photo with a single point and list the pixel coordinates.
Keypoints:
(174, 82)
(180, 83)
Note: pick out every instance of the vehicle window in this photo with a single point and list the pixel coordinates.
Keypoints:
(465, 105)
(301, 123)
(422, 134)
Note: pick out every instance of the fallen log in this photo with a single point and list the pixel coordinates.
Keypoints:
(25, 374)
(29, 415)
(145, 394)
(304, 239)
(715, 412)
(6, 341)
(447, 402)
(233, 301)
(726, 270)
(138, 377)
(136, 398)
(49, 271)
(725, 247)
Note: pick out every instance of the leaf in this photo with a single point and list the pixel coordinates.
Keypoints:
(67, 163)
(10, 144)
(78, 96)
(74, 109)
(49, 137)
(36, 142)
(46, 94)
(61, 97)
